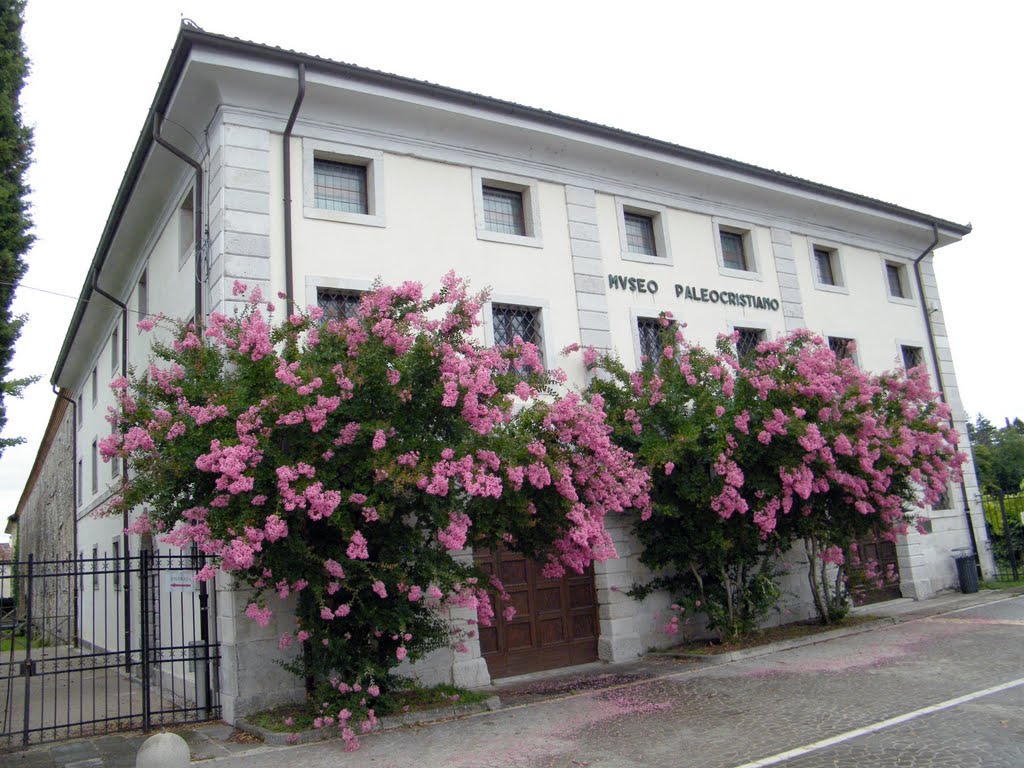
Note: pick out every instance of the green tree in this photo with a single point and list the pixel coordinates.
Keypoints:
(998, 455)
(15, 223)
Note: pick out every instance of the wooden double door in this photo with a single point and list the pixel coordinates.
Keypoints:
(555, 624)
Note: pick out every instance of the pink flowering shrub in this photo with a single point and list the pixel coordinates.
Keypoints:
(344, 460)
(748, 457)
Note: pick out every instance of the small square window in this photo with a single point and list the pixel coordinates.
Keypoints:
(503, 211)
(95, 467)
(747, 342)
(823, 263)
(340, 186)
(114, 462)
(640, 234)
(912, 356)
(736, 249)
(142, 295)
(115, 564)
(338, 304)
(734, 254)
(186, 228)
(649, 332)
(510, 321)
(896, 278)
(115, 350)
(842, 347)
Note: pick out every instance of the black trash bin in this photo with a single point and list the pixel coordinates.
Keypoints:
(966, 571)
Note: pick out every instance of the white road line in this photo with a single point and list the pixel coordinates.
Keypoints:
(800, 751)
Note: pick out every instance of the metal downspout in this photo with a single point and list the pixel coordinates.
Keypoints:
(74, 499)
(197, 206)
(938, 376)
(124, 470)
(287, 154)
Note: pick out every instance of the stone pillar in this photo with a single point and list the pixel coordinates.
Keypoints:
(239, 212)
(587, 267)
(251, 677)
(789, 286)
(617, 612)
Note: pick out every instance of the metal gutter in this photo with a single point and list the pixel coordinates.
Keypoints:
(286, 144)
(938, 377)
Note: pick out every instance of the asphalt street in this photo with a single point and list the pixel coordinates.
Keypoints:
(945, 690)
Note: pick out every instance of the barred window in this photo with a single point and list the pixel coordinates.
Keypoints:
(747, 342)
(340, 186)
(825, 266)
(640, 234)
(843, 348)
(894, 275)
(503, 211)
(338, 304)
(734, 255)
(912, 356)
(509, 321)
(649, 332)
(945, 500)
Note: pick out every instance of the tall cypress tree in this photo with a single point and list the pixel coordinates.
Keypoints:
(15, 222)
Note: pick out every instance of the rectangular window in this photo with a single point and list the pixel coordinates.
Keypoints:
(843, 348)
(95, 381)
(340, 186)
(747, 342)
(186, 228)
(649, 332)
(114, 462)
(95, 467)
(825, 266)
(115, 563)
(912, 356)
(143, 295)
(81, 483)
(503, 211)
(945, 500)
(79, 410)
(734, 254)
(338, 304)
(115, 350)
(95, 566)
(897, 284)
(640, 234)
(510, 321)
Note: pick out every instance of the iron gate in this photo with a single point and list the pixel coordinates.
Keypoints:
(104, 643)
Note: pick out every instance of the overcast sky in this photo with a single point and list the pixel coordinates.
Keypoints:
(917, 104)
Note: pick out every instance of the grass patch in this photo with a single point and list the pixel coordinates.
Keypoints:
(19, 642)
(767, 635)
(413, 698)
(1003, 584)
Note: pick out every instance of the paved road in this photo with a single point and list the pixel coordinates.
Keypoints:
(951, 685)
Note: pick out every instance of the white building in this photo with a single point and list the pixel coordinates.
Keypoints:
(314, 177)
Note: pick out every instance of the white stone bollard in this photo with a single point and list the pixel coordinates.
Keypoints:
(164, 750)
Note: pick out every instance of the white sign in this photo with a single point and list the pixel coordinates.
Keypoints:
(178, 581)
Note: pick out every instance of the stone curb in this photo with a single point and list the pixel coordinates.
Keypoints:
(711, 660)
(280, 738)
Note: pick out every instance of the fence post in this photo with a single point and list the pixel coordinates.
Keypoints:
(1010, 543)
(28, 650)
(144, 667)
(203, 673)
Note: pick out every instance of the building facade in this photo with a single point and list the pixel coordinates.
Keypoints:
(314, 178)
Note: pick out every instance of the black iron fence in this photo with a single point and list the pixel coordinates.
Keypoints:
(1004, 517)
(104, 643)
